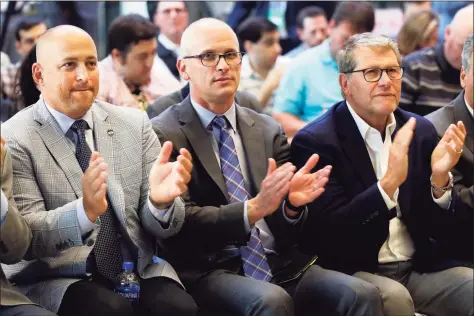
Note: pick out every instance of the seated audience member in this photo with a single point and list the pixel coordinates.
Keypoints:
(85, 223)
(171, 17)
(310, 86)
(27, 33)
(130, 75)
(15, 238)
(312, 29)
(418, 31)
(262, 66)
(461, 109)
(26, 91)
(234, 252)
(243, 98)
(431, 76)
(378, 216)
(8, 108)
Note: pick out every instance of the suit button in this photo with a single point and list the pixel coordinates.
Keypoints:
(90, 242)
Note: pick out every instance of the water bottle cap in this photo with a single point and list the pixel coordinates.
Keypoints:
(128, 266)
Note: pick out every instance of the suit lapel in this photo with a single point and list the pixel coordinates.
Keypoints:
(200, 140)
(461, 114)
(253, 143)
(55, 140)
(107, 144)
(354, 146)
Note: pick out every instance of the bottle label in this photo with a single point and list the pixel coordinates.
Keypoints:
(130, 292)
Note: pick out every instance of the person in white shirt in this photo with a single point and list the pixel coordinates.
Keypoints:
(263, 65)
(388, 214)
(172, 19)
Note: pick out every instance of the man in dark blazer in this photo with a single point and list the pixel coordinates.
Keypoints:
(243, 98)
(15, 239)
(236, 199)
(461, 109)
(378, 219)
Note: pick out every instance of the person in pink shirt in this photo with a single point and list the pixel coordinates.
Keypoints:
(131, 75)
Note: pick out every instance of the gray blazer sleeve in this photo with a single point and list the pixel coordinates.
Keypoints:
(49, 227)
(15, 235)
(151, 149)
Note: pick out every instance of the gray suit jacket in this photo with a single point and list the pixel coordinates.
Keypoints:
(15, 238)
(211, 221)
(47, 185)
(463, 172)
(243, 98)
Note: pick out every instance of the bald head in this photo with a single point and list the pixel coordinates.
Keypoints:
(456, 33)
(206, 27)
(463, 21)
(56, 35)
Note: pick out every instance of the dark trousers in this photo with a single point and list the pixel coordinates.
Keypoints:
(24, 310)
(159, 296)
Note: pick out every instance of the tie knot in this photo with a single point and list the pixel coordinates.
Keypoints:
(220, 121)
(80, 125)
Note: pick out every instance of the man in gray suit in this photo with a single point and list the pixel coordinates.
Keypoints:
(461, 109)
(15, 238)
(92, 182)
(245, 201)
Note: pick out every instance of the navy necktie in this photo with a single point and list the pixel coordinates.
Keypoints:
(254, 260)
(107, 248)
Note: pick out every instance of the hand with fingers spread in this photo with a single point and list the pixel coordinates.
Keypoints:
(447, 153)
(274, 188)
(398, 162)
(305, 187)
(169, 180)
(2, 151)
(94, 187)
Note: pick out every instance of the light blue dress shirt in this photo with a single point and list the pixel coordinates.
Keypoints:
(310, 86)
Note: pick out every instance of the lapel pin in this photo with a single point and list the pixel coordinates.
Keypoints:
(110, 132)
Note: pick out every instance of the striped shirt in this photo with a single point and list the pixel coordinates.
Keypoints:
(429, 81)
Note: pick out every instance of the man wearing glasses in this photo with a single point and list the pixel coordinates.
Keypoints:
(245, 200)
(389, 202)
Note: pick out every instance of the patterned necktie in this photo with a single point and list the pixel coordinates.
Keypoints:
(107, 248)
(254, 261)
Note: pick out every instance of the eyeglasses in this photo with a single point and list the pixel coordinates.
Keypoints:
(212, 59)
(375, 74)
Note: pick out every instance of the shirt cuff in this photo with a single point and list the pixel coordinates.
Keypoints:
(390, 203)
(247, 226)
(290, 219)
(162, 216)
(4, 208)
(445, 200)
(85, 225)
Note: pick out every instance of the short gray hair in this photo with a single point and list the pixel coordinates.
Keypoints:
(467, 52)
(345, 57)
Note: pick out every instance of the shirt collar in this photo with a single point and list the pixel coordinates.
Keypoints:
(470, 110)
(206, 116)
(365, 129)
(64, 121)
(448, 73)
(169, 44)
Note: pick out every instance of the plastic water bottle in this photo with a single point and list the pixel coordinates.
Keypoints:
(128, 284)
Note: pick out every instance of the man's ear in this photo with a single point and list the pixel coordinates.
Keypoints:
(463, 75)
(181, 66)
(299, 33)
(343, 80)
(117, 56)
(247, 46)
(37, 73)
(17, 46)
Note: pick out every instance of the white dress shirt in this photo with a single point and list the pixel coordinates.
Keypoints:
(168, 44)
(399, 245)
(65, 123)
(3, 207)
(206, 117)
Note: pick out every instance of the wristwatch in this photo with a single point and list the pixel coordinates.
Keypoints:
(446, 188)
(293, 207)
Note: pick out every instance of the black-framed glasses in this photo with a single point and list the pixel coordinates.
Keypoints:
(212, 59)
(375, 74)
